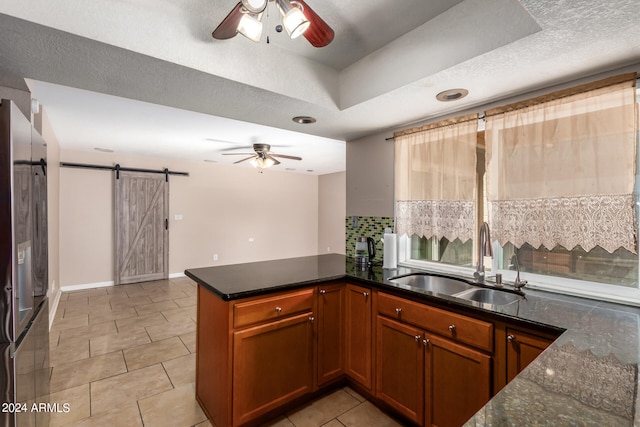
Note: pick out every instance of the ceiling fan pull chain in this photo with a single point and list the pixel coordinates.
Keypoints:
(268, 29)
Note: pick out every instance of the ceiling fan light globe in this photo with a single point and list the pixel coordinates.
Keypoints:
(250, 27)
(255, 6)
(295, 22)
(261, 163)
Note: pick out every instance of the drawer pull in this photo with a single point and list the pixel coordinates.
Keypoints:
(398, 311)
(426, 341)
(322, 292)
(311, 319)
(366, 294)
(278, 310)
(418, 337)
(511, 338)
(452, 328)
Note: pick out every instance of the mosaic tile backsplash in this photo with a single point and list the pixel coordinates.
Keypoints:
(367, 226)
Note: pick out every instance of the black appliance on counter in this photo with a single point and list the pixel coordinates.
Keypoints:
(24, 309)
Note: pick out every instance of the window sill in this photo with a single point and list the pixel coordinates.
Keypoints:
(559, 285)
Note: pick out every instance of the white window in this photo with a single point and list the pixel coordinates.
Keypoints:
(560, 194)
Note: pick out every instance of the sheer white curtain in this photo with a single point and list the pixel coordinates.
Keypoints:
(435, 179)
(560, 170)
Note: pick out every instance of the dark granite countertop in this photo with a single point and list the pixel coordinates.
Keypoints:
(587, 377)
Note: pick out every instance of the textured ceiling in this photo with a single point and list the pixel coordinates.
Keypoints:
(383, 70)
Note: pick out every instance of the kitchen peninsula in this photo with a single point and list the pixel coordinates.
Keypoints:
(276, 333)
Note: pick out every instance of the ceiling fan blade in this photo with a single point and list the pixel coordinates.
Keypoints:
(319, 33)
(228, 28)
(238, 154)
(243, 160)
(284, 156)
(239, 147)
(275, 161)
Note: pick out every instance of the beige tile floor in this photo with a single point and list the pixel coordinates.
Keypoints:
(125, 356)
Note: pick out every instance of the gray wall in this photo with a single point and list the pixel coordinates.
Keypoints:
(21, 98)
(370, 176)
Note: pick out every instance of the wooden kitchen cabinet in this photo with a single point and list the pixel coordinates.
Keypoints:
(522, 349)
(358, 335)
(515, 347)
(272, 365)
(254, 355)
(330, 323)
(400, 368)
(457, 384)
(426, 366)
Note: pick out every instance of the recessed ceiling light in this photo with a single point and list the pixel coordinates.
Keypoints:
(452, 95)
(103, 150)
(304, 120)
(290, 169)
(309, 170)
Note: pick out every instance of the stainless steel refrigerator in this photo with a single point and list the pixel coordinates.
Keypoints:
(24, 312)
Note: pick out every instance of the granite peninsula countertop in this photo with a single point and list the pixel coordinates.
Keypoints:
(587, 377)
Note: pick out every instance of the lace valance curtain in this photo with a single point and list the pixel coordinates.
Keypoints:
(561, 171)
(435, 181)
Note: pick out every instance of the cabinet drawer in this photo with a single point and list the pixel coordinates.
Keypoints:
(455, 326)
(462, 328)
(264, 309)
(404, 310)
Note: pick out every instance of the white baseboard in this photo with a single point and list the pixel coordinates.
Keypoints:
(68, 288)
(83, 286)
(53, 307)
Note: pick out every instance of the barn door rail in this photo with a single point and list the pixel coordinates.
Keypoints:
(118, 169)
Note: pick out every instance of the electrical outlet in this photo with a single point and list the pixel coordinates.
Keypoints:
(215, 257)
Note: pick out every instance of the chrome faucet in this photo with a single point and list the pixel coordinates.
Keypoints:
(518, 284)
(484, 249)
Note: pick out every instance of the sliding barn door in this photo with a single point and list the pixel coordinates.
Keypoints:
(141, 227)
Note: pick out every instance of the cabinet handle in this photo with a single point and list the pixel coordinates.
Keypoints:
(322, 292)
(426, 341)
(278, 310)
(418, 338)
(311, 319)
(398, 311)
(366, 294)
(452, 328)
(511, 338)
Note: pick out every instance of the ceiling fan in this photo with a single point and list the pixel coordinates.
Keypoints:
(262, 158)
(297, 18)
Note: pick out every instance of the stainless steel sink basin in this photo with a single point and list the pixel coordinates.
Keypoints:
(489, 296)
(435, 284)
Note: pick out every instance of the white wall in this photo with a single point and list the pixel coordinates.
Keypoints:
(332, 206)
(222, 207)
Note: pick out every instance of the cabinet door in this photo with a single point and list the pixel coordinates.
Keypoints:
(400, 368)
(273, 364)
(458, 382)
(358, 346)
(522, 349)
(330, 321)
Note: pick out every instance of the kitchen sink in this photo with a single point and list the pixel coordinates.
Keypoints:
(435, 284)
(489, 296)
(457, 288)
